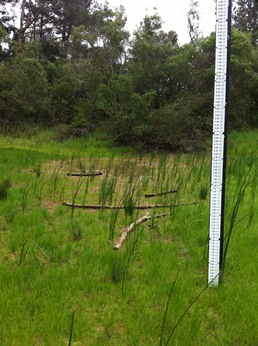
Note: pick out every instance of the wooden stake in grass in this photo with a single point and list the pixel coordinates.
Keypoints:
(132, 226)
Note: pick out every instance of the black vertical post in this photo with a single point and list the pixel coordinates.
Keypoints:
(225, 138)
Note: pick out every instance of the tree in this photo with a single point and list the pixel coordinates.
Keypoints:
(193, 21)
(183, 121)
(151, 49)
(48, 21)
(98, 54)
(244, 78)
(23, 92)
(245, 17)
(3, 40)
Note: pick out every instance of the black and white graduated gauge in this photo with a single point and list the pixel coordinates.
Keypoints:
(218, 165)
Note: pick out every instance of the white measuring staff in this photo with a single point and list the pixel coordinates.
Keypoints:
(218, 143)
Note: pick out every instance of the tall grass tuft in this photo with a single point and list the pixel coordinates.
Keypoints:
(237, 201)
(184, 313)
(253, 194)
(39, 187)
(54, 179)
(126, 267)
(26, 246)
(203, 193)
(71, 328)
(37, 170)
(112, 222)
(5, 185)
(129, 195)
(80, 181)
(117, 268)
(166, 311)
(76, 230)
(24, 196)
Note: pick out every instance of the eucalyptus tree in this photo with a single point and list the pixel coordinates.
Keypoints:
(245, 16)
(148, 80)
(98, 53)
(108, 38)
(193, 18)
(151, 49)
(48, 21)
(7, 22)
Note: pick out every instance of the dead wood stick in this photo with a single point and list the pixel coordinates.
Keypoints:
(91, 206)
(160, 193)
(88, 174)
(140, 207)
(127, 230)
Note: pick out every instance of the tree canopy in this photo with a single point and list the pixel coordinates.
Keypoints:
(74, 62)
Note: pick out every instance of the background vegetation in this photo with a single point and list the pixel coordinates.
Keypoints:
(74, 63)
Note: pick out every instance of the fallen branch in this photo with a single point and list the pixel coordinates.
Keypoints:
(140, 207)
(86, 174)
(91, 206)
(160, 194)
(132, 226)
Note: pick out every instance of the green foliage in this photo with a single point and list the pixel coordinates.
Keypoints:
(113, 97)
(243, 80)
(63, 91)
(245, 18)
(131, 127)
(23, 91)
(150, 91)
(181, 126)
(150, 51)
(4, 39)
(184, 101)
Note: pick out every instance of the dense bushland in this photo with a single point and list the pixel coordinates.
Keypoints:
(76, 64)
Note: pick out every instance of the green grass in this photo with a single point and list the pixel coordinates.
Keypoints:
(61, 282)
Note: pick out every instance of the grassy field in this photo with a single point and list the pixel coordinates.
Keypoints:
(61, 281)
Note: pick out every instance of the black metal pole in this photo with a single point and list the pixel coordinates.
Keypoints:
(225, 139)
